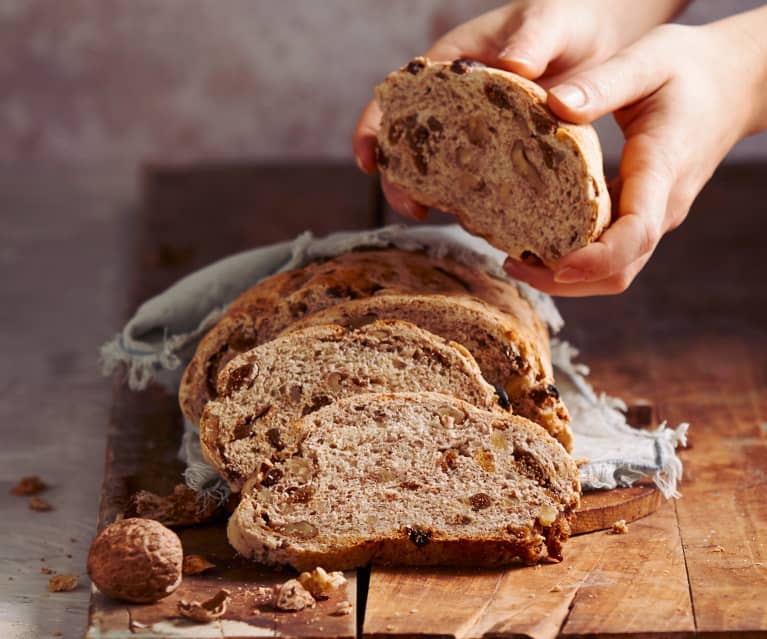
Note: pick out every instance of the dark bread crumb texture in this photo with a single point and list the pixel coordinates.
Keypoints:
(481, 143)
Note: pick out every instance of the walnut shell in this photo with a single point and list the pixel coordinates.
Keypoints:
(136, 560)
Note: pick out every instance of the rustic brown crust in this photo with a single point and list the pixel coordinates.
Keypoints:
(136, 560)
(533, 483)
(265, 310)
(482, 143)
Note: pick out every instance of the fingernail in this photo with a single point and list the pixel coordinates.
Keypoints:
(510, 55)
(570, 95)
(361, 166)
(569, 275)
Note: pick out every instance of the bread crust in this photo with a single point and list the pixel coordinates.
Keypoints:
(481, 143)
(265, 310)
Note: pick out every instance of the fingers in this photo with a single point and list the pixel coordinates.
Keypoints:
(630, 75)
(537, 41)
(364, 138)
(645, 185)
(543, 279)
(402, 203)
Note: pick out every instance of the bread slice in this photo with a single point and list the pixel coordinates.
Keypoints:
(263, 391)
(265, 310)
(482, 144)
(506, 354)
(411, 478)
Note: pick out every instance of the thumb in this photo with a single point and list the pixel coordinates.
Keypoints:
(630, 75)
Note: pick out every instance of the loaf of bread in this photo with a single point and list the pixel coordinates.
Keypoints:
(482, 144)
(411, 478)
(268, 308)
(517, 364)
(263, 391)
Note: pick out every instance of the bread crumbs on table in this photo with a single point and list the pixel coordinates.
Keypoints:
(46, 571)
(63, 583)
(619, 527)
(40, 505)
(30, 485)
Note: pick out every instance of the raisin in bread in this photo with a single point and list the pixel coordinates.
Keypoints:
(265, 310)
(263, 391)
(482, 144)
(518, 366)
(407, 478)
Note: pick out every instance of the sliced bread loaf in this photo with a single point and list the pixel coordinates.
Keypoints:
(263, 391)
(508, 357)
(481, 143)
(413, 479)
(265, 310)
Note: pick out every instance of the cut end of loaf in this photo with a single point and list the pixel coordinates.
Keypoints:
(414, 479)
(481, 143)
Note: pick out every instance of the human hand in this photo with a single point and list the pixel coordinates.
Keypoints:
(539, 39)
(683, 97)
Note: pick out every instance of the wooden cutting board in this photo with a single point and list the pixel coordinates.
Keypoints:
(694, 567)
(142, 445)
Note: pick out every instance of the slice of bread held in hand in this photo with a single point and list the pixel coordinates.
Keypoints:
(410, 479)
(482, 144)
(266, 309)
(516, 361)
(262, 392)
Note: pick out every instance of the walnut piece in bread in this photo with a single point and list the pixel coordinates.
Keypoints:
(481, 143)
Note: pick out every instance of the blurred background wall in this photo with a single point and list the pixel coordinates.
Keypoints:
(133, 81)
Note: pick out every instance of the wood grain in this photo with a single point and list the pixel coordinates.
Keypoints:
(688, 338)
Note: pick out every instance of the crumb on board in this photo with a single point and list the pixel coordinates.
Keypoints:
(45, 570)
(320, 583)
(30, 485)
(63, 583)
(40, 505)
(204, 611)
(619, 527)
(556, 588)
(717, 548)
(292, 596)
(343, 608)
(195, 564)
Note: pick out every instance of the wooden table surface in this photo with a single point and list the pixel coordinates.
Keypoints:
(690, 336)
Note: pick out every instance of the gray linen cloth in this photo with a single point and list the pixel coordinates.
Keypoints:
(160, 339)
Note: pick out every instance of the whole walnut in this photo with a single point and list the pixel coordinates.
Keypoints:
(136, 560)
